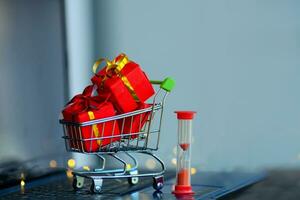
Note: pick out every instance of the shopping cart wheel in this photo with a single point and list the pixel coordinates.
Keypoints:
(96, 185)
(133, 180)
(158, 182)
(78, 182)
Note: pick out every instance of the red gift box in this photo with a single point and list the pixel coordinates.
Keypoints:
(68, 111)
(82, 109)
(125, 82)
(132, 125)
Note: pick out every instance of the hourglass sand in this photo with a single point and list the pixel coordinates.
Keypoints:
(183, 180)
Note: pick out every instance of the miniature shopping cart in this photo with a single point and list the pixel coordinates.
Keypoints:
(124, 144)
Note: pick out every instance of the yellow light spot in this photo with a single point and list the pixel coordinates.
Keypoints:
(174, 161)
(53, 163)
(69, 173)
(150, 163)
(22, 183)
(71, 163)
(87, 168)
(128, 167)
(193, 170)
(175, 151)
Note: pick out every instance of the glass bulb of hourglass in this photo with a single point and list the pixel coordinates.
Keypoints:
(183, 178)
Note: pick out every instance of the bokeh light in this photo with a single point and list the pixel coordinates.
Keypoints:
(193, 170)
(174, 161)
(53, 163)
(71, 163)
(69, 173)
(150, 163)
(22, 183)
(86, 168)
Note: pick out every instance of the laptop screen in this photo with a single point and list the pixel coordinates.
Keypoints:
(32, 80)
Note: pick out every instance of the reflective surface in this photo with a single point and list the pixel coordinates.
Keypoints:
(205, 184)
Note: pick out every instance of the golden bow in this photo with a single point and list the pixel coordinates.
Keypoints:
(116, 65)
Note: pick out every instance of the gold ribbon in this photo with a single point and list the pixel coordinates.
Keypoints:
(94, 127)
(117, 66)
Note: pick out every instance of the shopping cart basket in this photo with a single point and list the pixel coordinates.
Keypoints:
(144, 142)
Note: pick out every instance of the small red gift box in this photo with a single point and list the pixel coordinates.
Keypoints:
(126, 83)
(82, 109)
(133, 125)
(68, 111)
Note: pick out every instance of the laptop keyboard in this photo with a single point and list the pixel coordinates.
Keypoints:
(206, 185)
(60, 187)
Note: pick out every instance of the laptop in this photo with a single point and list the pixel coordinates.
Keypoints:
(27, 180)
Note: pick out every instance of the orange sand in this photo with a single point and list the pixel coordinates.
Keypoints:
(183, 177)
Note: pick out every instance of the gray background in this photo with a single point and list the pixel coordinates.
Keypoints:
(33, 84)
(235, 62)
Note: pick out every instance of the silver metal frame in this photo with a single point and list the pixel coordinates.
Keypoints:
(122, 142)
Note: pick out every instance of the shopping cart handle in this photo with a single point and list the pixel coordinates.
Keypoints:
(167, 84)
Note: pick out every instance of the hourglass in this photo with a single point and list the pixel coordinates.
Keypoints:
(183, 178)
